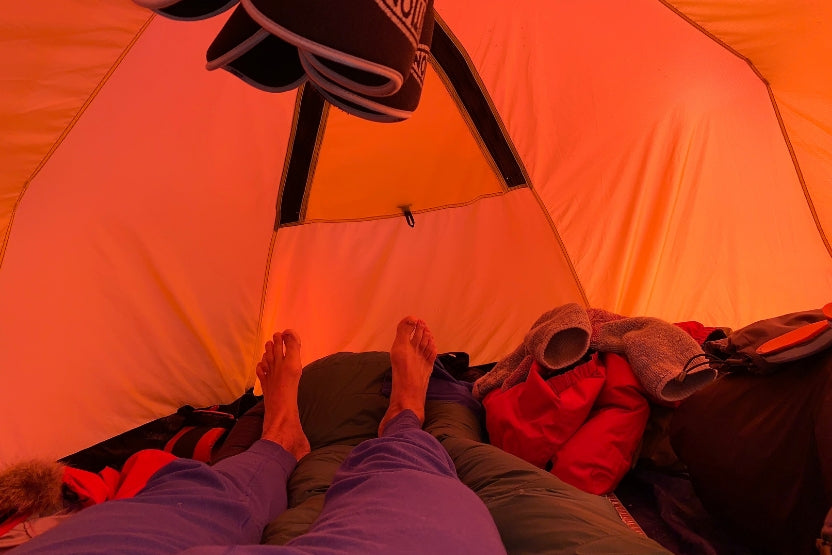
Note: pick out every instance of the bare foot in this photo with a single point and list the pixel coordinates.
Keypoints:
(279, 372)
(412, 356)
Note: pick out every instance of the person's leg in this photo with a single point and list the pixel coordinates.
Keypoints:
(399, 493)
(188, 503)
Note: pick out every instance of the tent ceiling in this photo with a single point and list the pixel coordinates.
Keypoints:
(788, 44)
(46, 93)
(140, 268)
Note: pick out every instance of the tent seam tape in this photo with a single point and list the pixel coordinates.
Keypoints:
(313, 164)
(563, 249)
(259, 330)
(469, 123)
(528, 186)
(488, 99)
(399, 214)
(797, 169)
(66, 132)
(775, 107)
(288, 157)
(484, 89)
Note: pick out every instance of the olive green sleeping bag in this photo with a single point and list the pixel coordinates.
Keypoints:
(341, 405)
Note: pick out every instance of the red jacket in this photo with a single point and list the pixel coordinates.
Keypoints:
(584, 425)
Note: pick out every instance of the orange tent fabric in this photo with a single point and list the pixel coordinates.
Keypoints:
(677, 158)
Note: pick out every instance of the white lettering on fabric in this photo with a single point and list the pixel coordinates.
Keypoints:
(407, 15)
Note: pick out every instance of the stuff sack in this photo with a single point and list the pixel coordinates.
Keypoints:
(762, 347)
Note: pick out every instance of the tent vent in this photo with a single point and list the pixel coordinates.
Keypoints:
(462, 82)
(306, 136)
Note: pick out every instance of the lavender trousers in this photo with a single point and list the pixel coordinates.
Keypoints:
(398, 493)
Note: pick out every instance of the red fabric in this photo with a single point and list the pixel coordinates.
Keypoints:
(138, 469)
(587, 422)
(205, 445)
(534, 418)
(172, 441)
(696, 330)
(12, 521)
(93, 488)
(601, 452)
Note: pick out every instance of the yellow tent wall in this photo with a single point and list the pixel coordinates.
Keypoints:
(679, 157)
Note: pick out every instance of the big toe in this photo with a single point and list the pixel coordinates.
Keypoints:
(291, 342)
(405, 327)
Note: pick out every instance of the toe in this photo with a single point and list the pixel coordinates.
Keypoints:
(406, 325)
(418, 333)
(261, 371)
(291, 342)
(268, 355)
(428, 348)
(277, 346)
(291, 339)
(427, 338)
(405, 329)
(431, 352)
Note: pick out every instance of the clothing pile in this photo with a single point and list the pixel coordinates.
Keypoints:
(36, 496)
(574, 397)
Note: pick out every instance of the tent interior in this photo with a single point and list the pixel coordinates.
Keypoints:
(159, 221)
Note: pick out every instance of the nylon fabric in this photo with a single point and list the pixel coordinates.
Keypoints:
(150, 270)
(140, 257)
(797, 71)
(334, 279)
(42, 92)
(653, 174)
(387, 168)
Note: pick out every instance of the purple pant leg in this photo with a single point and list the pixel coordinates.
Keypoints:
(185, 504)
(400, 494)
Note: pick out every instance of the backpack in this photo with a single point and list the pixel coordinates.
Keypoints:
(764, 346)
